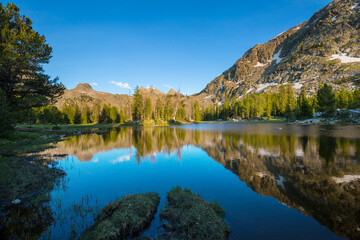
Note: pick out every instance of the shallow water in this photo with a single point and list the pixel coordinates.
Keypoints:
(275, 181)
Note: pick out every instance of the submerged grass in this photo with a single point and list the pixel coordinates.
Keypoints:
(24, 188)
(189, 216)
(125, 217)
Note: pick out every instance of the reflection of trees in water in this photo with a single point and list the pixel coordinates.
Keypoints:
(296, 170)
(327, 148)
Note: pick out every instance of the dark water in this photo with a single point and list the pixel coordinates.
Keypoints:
(275, 181)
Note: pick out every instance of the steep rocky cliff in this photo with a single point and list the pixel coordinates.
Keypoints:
(325, 49)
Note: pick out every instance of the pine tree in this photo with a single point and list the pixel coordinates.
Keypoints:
(148, 109)
(105, 114)
(23, 54)
(282, 100)
(85, 114)
(121, 116)
(114, 115)
(95, 113)
(290, 102)
(305, 109)
(168, 109)
(356, 98)
(180, 114)
(225, 108)
(197, 111)
(326, 99)
(268, 105)
(159, 110)
(138, 106)
(342, 99)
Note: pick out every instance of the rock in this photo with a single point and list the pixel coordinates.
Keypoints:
(16, 201)
(318, 114)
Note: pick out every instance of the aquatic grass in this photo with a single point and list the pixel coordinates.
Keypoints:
(189, 216)
(124, 217)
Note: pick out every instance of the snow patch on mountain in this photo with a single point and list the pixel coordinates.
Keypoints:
(344, 58)
(355, 6)
(277, 57)
(260, 64)
(262, 86)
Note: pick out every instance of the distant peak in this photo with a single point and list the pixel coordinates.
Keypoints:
(84, 87)
(171, 92)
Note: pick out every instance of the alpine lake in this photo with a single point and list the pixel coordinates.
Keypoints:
(274, 180)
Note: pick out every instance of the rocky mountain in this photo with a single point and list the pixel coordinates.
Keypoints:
(84, 93)
(325, 49)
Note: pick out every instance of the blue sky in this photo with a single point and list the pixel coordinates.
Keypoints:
(116, 45)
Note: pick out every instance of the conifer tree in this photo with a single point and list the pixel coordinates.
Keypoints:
(159, 110)
(138, 106)
(225, 108)
(342, 99)
(148, 109)
(282, 100)
(268, 105)
(180, 114)
(326, 99)
(121, 116)
(105, 114)
(305, 109)
(85, 114)
(95, 113)
(356, 98)
(168, 109)
(197, 111)
(114, 115)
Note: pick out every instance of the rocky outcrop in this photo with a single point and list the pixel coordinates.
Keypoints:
(324, 49)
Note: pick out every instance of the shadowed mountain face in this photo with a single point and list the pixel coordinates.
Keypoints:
(312, 169)
(325, 49)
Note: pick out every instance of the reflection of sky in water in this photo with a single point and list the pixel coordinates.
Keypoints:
(113, 173)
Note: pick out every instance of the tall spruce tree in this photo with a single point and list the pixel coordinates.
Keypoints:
(326, 99)
(148, 109)
(197, 111)
(168, 110)
(85, 114)
(159, 110)
(305, 109)
(138, 105)
(114, 115)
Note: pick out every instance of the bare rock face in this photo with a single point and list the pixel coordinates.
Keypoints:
(325, 49)
(85, 94)
(171, 92)
(84, 87)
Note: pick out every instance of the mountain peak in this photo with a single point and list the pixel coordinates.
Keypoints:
(84, 87)
(171, 92)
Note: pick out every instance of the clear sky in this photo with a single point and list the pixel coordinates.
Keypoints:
(179, 43)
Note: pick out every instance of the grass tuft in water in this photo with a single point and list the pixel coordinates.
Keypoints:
(189, 216)
(125, 217)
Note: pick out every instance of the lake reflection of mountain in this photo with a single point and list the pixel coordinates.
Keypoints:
(295, 164)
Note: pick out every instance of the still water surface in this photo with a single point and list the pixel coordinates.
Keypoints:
(275, 181)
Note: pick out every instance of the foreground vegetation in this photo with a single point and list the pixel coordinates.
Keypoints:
(189, 216)
(125, 217)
